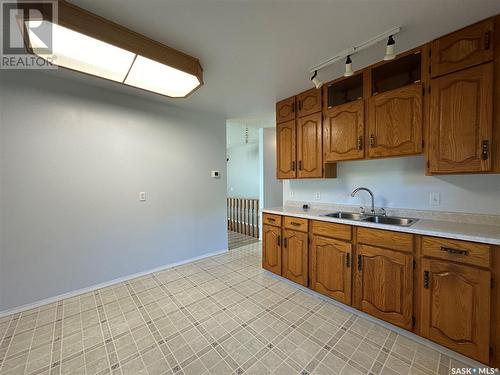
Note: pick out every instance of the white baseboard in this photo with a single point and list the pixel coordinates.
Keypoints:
(419, 339)
(105, 284)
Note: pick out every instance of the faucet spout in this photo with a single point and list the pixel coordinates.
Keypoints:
(355, 191)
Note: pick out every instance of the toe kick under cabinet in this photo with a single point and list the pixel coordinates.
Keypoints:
(441, 289)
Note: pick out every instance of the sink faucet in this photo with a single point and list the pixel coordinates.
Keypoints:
(369, 192)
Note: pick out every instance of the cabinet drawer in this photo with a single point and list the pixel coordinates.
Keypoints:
(332, 230)
(295, 223)
(473, 253)
(385, 238)
(271, 219)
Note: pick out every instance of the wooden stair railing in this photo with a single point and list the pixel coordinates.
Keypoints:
(243, 216)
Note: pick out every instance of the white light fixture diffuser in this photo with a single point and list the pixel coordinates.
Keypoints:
(80, 52)
(153, 76)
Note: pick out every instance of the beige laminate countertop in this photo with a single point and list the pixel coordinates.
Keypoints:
(439, 228)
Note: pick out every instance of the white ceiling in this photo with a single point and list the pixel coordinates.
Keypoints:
(256, 52)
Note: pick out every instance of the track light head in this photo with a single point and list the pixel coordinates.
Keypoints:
(389, 49)
(314, 79)
(348, 67)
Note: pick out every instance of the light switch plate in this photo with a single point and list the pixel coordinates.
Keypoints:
(142, 196)
(434, 198)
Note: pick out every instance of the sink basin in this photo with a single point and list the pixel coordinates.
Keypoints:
(391, 220)
(347, 215)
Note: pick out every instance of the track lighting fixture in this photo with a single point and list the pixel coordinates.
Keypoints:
(348, 67)
(317, 83)
(389, 50)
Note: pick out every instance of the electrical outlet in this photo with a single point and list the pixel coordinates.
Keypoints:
(317, 195)
(142, 196)
(434, 198)
(291, 193)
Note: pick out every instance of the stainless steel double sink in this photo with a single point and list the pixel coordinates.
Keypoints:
(379, 219)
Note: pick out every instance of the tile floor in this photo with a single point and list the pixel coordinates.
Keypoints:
(220, 315)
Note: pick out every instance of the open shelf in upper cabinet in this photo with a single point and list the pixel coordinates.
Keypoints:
(344, 90)
(400, 72)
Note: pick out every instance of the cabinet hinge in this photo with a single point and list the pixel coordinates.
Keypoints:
(485, 148)
(487, 35)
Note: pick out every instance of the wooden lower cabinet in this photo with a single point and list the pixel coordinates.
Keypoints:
(295, 256)
(271, 248)
(383, 284)
(331, 268)
(455, 307)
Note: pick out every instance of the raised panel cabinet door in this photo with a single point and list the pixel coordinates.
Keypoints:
(271, 248)
(343, 131)
(309, 102)
(285, 110)
(309, 146)
(331, 268)
(295, 256)
(461, 121)
(395, 122)
(384, 285)
(455, 307)
(285, 150)
(470, 46)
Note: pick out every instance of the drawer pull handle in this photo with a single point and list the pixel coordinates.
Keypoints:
(279, 240)
(449, 250)
(271, 219)
(285, 242)
(426, 279)
(348, 260)
(294, 223)
(360, 263)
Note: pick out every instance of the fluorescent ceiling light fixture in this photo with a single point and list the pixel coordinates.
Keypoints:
(73, 50)
(151, 75)
(85, 42)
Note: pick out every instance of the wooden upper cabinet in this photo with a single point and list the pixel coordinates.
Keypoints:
(295, 256)
(286, 149)
(271, 248)
(384, 284)
(395, 122)
(460, 131)
(470, 46)
(309, 102)
(331, 268)
(309, 146)
(455, 307)
(343, 131)
(285, 110)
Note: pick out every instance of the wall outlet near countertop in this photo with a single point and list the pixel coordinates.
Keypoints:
(434, 198)
(142, 196)
(317, 195)
(291, 193)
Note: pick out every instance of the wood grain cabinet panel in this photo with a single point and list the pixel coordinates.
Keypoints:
(271, 248)
(331, 268)
(343, 132)
(455, 307)
(295, 256)
(285, 110)
(309, 146)
(461, 111)
(309, 102)
(384, 284)
(464, 48)
(395, 122)
(285, 150)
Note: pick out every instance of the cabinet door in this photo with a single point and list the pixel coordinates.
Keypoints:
(470, 46)
(343, 131)
(395, 122)
(271, 248)
(295, 256)
(309, 146)
(384, 284)
(285, 150)
(461, 122)
(285, 110)
(331, 268)
(455, 307)
(309, 102)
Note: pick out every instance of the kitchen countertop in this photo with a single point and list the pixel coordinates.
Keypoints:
(439, 228)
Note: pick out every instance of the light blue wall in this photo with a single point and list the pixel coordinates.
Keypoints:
(73, 159)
